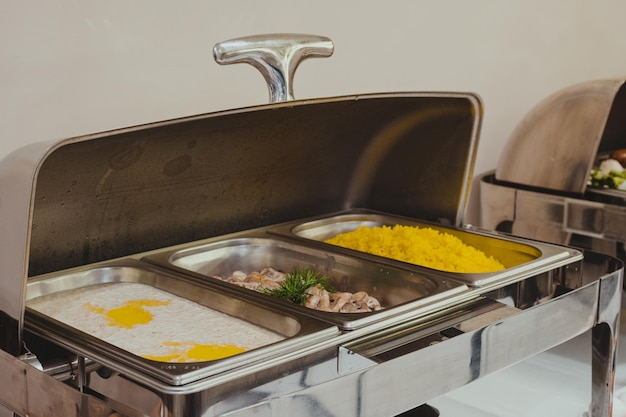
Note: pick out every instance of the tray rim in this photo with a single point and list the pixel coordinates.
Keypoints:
(552, 255)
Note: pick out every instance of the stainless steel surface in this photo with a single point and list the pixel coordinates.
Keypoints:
(173, 182)
(605, 338)
(398, 290)
(555, 145)
(76, 204)
(524, 213)
(555, 218)
(16, 175)
(30, 392)
(276, 56)
(520, 258)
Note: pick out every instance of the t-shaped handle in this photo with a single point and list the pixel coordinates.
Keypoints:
(277, 56)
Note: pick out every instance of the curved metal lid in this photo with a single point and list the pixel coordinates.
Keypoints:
(556, 144)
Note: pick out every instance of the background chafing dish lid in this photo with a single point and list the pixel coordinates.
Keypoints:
(555, 145)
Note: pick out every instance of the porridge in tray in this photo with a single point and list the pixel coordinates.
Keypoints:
(152, 323)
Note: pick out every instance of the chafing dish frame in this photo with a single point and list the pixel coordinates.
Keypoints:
(89, 182)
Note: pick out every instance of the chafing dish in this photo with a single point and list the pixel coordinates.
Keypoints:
(541, 186)
(156, 204)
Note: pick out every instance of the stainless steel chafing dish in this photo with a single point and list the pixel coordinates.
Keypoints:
(540, 188)
(173, 203)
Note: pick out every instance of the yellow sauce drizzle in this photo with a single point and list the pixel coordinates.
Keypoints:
(195, 352)
(129, 315)
(134, 313)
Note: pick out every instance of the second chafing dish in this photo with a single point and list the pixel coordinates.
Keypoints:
(541, 188)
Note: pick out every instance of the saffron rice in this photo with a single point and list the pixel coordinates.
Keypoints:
(420, 246)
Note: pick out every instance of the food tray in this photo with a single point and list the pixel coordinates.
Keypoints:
(398, 290)
(521, 258)
(295, 331)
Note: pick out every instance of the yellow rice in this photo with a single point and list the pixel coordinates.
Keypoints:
(420, 246)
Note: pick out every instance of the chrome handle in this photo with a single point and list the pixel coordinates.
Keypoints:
(276, 56)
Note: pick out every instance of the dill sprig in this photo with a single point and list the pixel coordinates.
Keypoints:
(297, 282)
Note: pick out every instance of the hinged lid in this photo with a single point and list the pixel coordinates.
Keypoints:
(133, 190)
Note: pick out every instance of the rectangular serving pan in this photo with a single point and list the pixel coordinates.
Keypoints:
(298, 330)
(521, 258)
(398, 290)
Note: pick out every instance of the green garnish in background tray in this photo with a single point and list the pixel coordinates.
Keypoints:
(613, 179)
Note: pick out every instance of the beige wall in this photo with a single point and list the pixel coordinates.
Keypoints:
(69, 67)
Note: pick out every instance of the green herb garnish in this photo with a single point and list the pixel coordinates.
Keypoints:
(296, 284)
(613, 179)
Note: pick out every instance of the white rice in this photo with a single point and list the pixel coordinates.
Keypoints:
(181, 320)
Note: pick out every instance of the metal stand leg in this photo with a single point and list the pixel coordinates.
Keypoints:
(605, 336)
